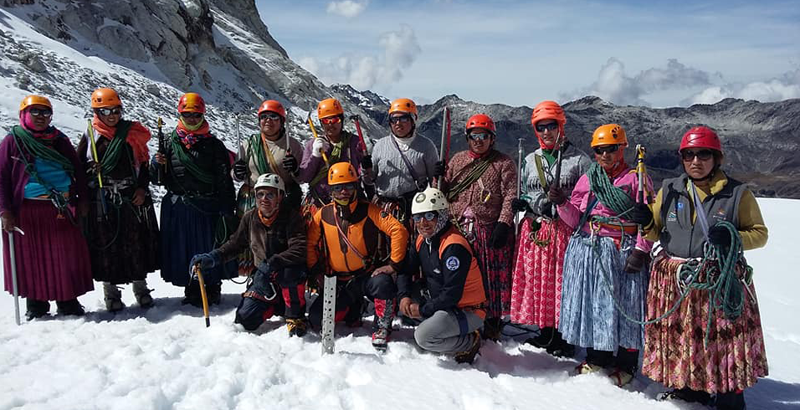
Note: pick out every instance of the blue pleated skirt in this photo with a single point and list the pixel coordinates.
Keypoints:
(188, 230)
(593, 273)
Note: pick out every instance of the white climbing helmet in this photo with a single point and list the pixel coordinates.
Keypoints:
(431, 199)
(270, 181)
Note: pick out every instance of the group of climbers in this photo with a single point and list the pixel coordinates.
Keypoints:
(446, 257)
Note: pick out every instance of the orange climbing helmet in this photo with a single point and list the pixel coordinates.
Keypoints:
(342, 173)
(192, 102)
(404, 105)
(481, 121)
(272, 106)
(34, 100)
(329, 107)
(609, 134)
(105, 98)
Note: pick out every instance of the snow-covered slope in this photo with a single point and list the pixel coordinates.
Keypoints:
(165, 358)
(151, 52)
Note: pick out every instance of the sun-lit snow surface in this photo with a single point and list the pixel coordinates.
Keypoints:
(165, 358)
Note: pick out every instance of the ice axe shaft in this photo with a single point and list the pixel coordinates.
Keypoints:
(444, 145)
(203, 295)
(314, 132)
(12, 255)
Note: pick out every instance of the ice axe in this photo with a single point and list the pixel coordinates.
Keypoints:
(203, 295)
(520, 153)
(12, 255)
(314, 132)
(444, 145)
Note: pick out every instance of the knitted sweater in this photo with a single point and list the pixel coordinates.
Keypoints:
(490, 197)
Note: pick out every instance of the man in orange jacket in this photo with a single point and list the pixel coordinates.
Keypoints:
(346, 232)
(451, 301)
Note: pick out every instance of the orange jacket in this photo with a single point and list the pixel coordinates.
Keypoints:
(362, 226)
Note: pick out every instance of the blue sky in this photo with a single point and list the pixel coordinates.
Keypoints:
(654, 53)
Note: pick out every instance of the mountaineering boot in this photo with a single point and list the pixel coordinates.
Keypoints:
(191, 295)
(36, 308)
(492, 328)
(587, 368)
(297, 327)
(384, 315)
(620, 377)
(214, 293)
(730, 401)
(69, 308)
(687, 395)
(627, 362)
(468, 356)
(113, 297)
(559, 347)
(545, 338)
(142, 294)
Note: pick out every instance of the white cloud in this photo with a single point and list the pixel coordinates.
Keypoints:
(615, 86)
(347, 8)
(400, 50)
(781, 88)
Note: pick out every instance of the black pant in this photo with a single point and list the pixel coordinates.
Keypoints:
(350, 297)
(289, 300)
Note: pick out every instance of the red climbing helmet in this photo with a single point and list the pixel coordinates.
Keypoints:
(701, 137)
(481, 121)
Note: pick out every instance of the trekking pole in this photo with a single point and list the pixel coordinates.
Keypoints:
(12, 255)
(314, 132)
(641, 173)
(161, 169)
(203, 295)
(444, 145)
(520, 153)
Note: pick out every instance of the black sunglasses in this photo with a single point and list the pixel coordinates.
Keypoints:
(429, 216)
(341, 187)
(702, 155)
(479, 136)
(547, 127)
(399, 119)
(109, 111)
(605, 149)
(269, 116)
(192, 115)
(41, 112)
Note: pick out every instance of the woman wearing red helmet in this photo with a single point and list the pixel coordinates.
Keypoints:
(537, 277)
(684, 351)
(123, 234)
(197, 211)
(480, 184)
(42, 181)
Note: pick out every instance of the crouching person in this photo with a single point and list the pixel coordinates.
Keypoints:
(276, 236)
(452, 308)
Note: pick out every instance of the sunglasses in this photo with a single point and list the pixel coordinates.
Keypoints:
(109, 111)
(192, 115)
(479, 136)
(331, 120)
(266, 194)
(429, 216)
(605, 149)
(343, 187)
(702, 155)
(269, 116)
(400, 119)
(547, 127)
(41, 112)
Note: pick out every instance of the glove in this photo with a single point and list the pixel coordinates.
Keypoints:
(547, 210)
(641, 214)
(240, 169)
(289, 163)
(439, 169)
(366, 162)
(556, 195)
(500, 235)
(262, 282)
(320, 145)
(9, 221)
(719, 236)
(275, 263)
(637, 260)
(519, 205)
(205, 260)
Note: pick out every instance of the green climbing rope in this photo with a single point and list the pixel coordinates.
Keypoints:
(610, 196)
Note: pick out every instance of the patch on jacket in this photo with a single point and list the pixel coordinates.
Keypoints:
(719, 215)
(672, 216)
(452, 263)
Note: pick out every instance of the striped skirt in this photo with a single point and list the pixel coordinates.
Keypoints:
(674, 352)
(593, 279)
(495, 265)
(537, 277)
(188, 230)
(52, 257)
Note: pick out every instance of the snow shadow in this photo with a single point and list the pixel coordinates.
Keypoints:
(166, 308)
(773, 395)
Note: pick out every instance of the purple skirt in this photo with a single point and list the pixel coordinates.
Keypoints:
(52, 257)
